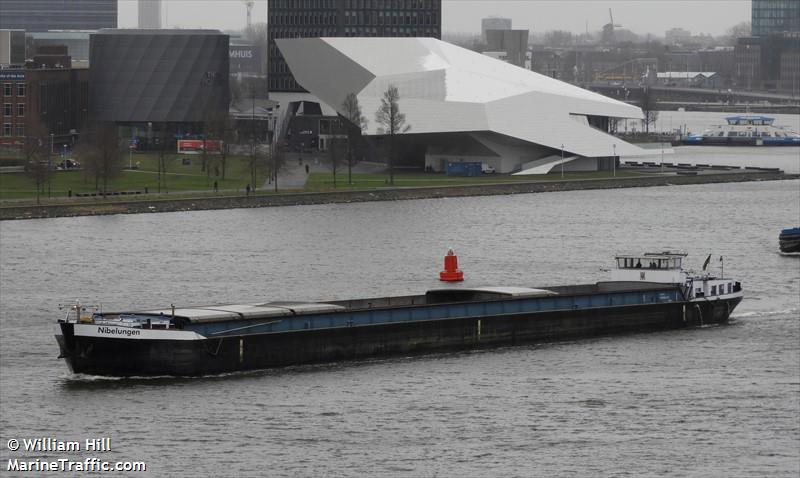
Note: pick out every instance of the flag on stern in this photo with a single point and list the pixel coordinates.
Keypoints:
(705, 264)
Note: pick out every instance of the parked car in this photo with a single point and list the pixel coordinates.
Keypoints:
(68, 164)
(487, 169)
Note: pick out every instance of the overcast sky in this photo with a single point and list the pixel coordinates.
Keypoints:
(641, 16)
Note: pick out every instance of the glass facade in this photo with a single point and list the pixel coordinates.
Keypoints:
(344, 18)
(771, 17)
(44, 15)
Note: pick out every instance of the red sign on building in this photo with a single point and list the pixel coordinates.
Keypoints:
(196, 146)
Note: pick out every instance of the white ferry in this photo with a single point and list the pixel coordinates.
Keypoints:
(746, 130)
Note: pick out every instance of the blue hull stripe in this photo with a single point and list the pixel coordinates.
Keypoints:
(435, 312)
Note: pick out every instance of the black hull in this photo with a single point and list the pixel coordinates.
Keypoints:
(125, 357)
(789, 242)
(121, 357)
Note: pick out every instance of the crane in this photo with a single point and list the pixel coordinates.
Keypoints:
(249, 4)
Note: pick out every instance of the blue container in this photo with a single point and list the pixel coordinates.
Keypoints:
(464, 169)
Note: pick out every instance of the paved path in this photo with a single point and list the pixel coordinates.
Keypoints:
(294, 176)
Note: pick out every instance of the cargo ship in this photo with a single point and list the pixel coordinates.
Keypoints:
(647, 292)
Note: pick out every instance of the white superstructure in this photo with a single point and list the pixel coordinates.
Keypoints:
(667, 267)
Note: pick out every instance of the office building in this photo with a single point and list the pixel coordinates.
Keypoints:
(44, 15)
(768, 59)
(514, 43)
(494, 23)
(775, 17)
(12, 48)
(52, 100)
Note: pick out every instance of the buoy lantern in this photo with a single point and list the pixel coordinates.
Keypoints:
(451, 272)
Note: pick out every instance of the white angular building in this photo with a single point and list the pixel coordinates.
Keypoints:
(464, 106)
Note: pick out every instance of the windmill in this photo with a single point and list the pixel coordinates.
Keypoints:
(608, 29)
(249, 4)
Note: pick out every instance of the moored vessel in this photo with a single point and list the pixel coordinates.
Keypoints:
(646, 292)
(745, 130)
(789, 240)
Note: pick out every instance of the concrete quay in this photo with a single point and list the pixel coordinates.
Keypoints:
(99, 206)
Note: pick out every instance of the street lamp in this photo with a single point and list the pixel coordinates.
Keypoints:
(562, 161)
(614, 160)
(50, 165)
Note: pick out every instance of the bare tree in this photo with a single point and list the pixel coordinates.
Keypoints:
(165, 140)
(216, 129)
(252, 166)
(649, 106)
(36, 150)
(355, 124)
(392, 122)
(336, 152)
(737, 31)
(277, 162)
(99, 150)
(560, 38)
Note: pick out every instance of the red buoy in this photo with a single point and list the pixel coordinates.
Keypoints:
(451, 272)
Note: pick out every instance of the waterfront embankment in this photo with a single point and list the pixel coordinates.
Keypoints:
(99, 206)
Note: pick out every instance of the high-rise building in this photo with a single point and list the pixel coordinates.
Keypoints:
(494, 23)
(345, 18)
(513, 42)
(44, 15)
(149, 13)
(775, 17)
(768, 58)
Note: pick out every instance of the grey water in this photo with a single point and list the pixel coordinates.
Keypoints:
(714, 401)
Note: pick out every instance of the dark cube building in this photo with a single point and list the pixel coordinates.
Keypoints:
(158, 76)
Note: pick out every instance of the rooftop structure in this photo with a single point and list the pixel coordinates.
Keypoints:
(513, 116)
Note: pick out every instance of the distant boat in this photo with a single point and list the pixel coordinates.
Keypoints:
(789, 240)
(745, 130)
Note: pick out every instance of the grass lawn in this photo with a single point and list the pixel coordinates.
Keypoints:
(188, 180)
(179, 178)
(324, 181)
